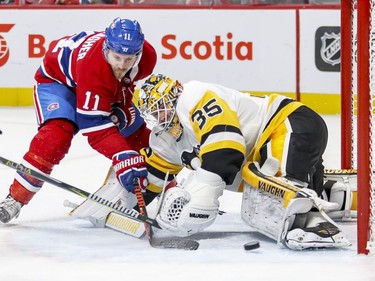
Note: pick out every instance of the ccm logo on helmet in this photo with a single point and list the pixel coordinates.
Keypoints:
(220, 49)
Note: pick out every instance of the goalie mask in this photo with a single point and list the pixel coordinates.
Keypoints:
(157, 103)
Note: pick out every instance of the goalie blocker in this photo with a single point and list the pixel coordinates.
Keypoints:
(294, 217)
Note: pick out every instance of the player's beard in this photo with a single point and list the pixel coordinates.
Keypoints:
(119, 73)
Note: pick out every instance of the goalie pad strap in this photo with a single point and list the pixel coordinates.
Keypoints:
(328, 186)
(341, 187)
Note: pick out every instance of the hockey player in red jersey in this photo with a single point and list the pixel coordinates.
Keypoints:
(85, 83)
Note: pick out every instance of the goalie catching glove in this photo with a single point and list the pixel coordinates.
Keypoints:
(191, 205)
(130, 166)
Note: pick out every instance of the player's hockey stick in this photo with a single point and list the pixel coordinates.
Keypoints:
(143, 211)
(164, 243)
(44, 177)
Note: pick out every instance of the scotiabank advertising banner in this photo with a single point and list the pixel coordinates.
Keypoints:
(252, 50)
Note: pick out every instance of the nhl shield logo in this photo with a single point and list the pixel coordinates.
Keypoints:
(328, 48)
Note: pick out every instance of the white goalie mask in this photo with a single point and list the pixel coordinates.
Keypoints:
(157, 103)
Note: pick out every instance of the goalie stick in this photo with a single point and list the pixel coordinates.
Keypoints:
(142, 209)
(44, 177)
(171, 243)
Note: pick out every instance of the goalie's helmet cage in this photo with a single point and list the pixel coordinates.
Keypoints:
(124, 37)
(157, 103)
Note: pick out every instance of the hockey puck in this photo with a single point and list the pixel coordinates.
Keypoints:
(251, 245)
(1, 132)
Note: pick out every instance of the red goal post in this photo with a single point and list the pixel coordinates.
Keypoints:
(357, 109)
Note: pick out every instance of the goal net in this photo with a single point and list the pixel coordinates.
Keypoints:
(358, 109)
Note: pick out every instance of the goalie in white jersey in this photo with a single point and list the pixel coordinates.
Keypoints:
(219, 133)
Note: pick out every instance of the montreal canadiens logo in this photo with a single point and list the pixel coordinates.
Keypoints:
(4, 49)
(53, 106)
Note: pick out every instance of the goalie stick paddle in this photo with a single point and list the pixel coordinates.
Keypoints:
(44, 177)
(174, 243)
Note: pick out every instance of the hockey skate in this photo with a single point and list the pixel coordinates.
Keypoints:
(9, 209)
(323, 234)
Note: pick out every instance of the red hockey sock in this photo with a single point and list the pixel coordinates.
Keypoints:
(48, 147)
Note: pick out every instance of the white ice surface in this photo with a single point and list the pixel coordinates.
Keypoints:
(44, 243)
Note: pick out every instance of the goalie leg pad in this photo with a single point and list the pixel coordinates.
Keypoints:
(262, 211)
(266, 213)
(110, 190)
(283, 212)
(341, 187)
(267, 203)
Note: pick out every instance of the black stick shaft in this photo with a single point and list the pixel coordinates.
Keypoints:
(43, 177)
